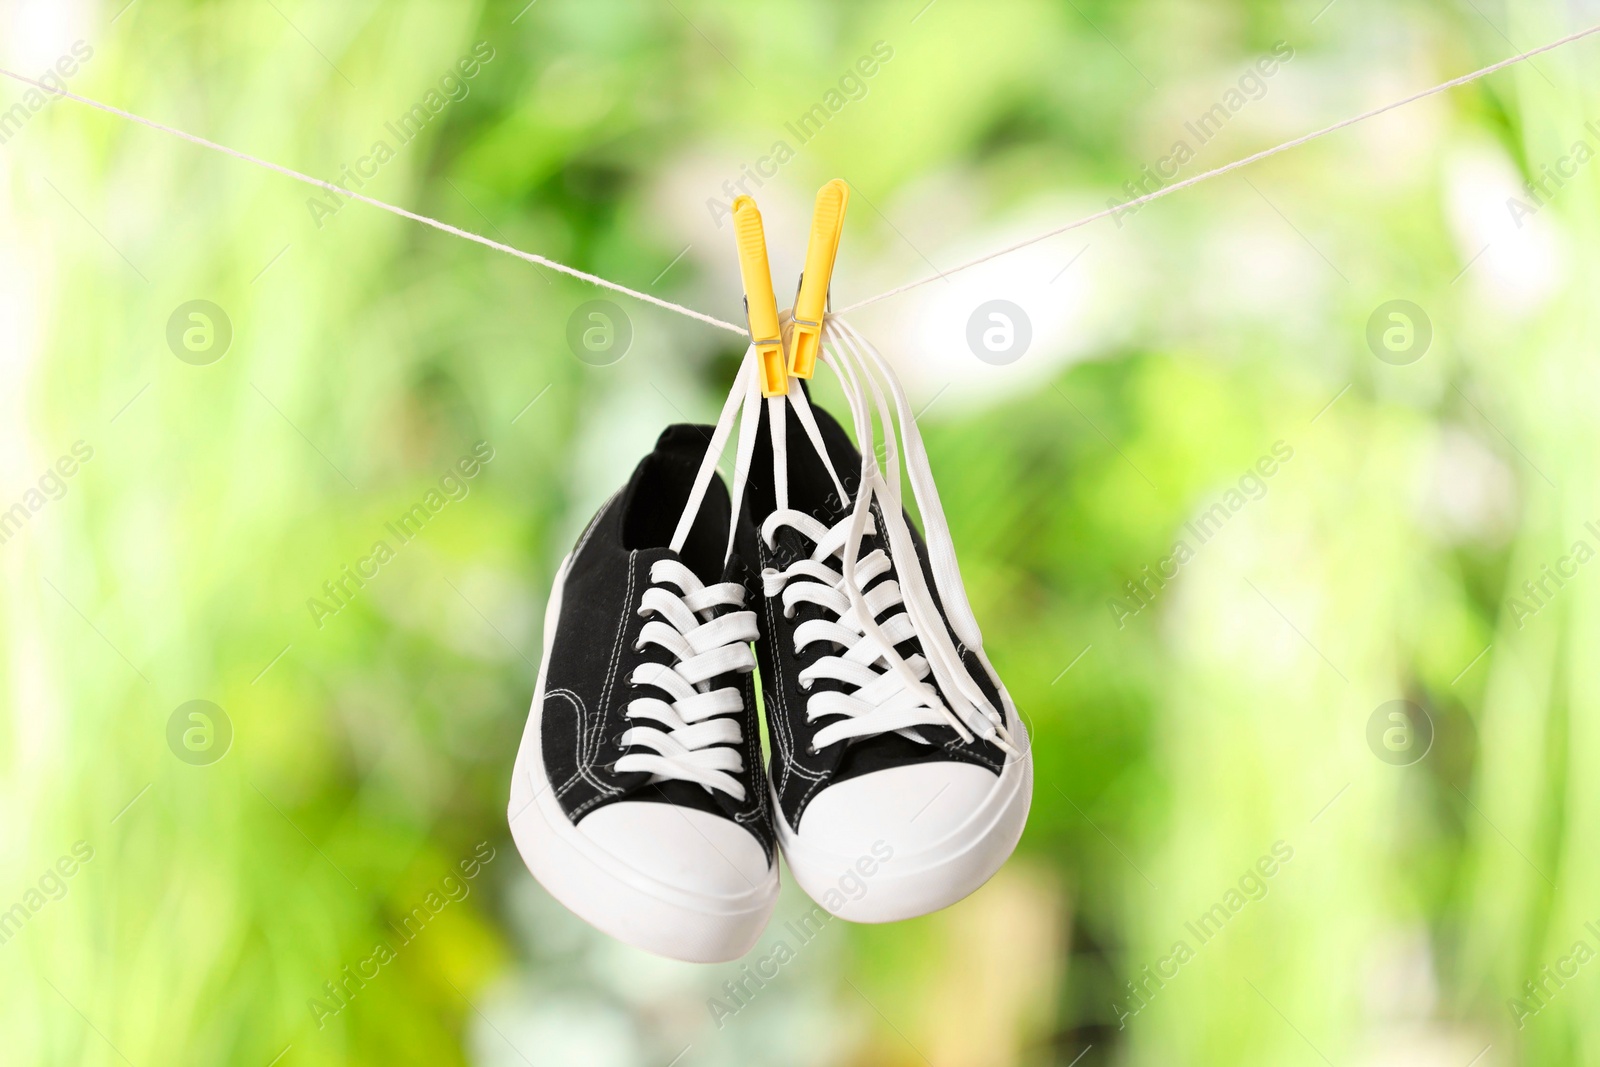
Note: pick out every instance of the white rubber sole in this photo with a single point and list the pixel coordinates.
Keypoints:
(598, 886)
(871, 889)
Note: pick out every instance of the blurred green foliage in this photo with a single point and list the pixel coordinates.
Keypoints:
(226, 905)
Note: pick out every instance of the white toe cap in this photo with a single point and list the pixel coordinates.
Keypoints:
(685, 848)
(909, 808)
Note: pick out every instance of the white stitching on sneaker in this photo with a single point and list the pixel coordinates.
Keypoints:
(576, 703)
(789, 748)
(583, 748)
(604, 708)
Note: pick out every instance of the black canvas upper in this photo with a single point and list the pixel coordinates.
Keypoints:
(797, 772)
(594, 653)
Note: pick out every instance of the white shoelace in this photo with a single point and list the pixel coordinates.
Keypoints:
(853, 359)
(886, 691)
(877, 699)
(699, 723)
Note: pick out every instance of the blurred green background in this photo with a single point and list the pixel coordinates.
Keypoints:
(1241, 851)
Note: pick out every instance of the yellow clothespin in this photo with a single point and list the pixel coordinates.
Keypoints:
(811, 302)
(760, 304)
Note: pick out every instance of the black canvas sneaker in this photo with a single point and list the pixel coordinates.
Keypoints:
(638, 798)
(902, 780)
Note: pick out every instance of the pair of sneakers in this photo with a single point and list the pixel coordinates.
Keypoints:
(900, 776)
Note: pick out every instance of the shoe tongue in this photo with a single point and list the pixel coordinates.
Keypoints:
(811, 488)
(811, 492)
(646, 558)
(685, 437)
(791, 544)
(831, 510)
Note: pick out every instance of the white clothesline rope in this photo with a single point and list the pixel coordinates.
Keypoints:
(1225, 168)
(711, 320)
(531, 257)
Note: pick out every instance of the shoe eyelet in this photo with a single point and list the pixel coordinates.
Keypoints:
(812, 749)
